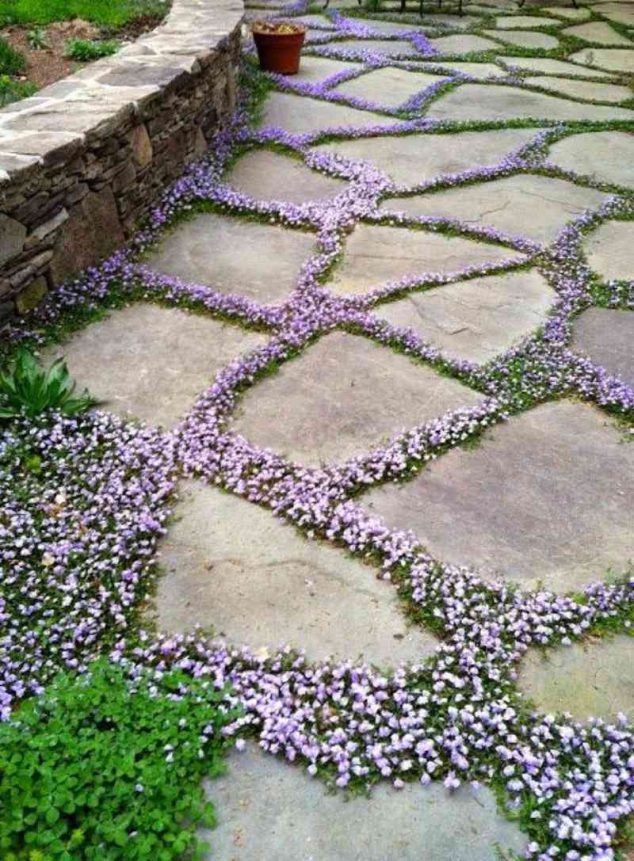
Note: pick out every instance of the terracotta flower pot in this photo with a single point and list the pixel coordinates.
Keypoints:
(279, 50)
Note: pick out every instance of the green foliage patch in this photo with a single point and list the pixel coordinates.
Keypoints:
(84, 50)
(27, 389)
(100, 768)
(108, 13)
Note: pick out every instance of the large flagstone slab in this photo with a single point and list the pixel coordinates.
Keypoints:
(412, 159)
(586, 154)
(478, 318)
(393, 27)
(233, 566)
(545, 498)
(513, 22)
(267, 175)
(152, 363)
(342, 397)
(591, 679)
(551, 67)
(376, 254)
(263, 804)
(234, 255)
(498, 102)
(525, 38)
(606, 336)
(479, 71)
(462, 44)
(526, 204)
(610, 250)
(588, 90)
(614, 59)
(567, 12)
(622, 13)
(317, 69)
(388, 87)
(302, 115)
(386, 47)
(597, 32)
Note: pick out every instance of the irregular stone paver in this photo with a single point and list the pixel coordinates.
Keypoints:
(462, 44)
(317, 69)
(526, 205)
(388, 87)
(479, 71)
(622, 13)
(511, 22)
(484, 102)
(588, 90)
(386, 47)
(588, 680)
(413, 159)
(267, 175)
(376, 254)
(393, 26)
(132, 354)
(475, 319)
(551, 67)
(610, 250)
(614, 59)
(546, 497)
(203, 251)
(525, 38)
(341, 397)
(586, 154)
(597, 32)
(299, 114)
(263, 804)
(569, 13)
(606, 335)
(452, 21)
(232, 565)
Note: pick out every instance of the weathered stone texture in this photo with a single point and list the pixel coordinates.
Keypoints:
(85, 159)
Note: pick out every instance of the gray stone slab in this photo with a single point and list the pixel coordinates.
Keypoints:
(592, 679)
(545, 498)
(151, 362)
(392, 27)
(475, 319)
(342, 397)
(588, 90)
(462, 44)
(452, 22)
(525, 38)
(386, 47)
(551, 67)
(597, 32)
(301, 115)
(622, 13)
(376, 254)
(232, 566)
(413, 159)
(263, 804)
(614, 59)
(606, 336)
(479, 71)
(586, 154)
(388, 87)
(233, 255)
(267, 175)
(519, 22)
(526, 204)
(568, 12)
(12, 238)
(485, 102)
(610, 250)
(317, 69)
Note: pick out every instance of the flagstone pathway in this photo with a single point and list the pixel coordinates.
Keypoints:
(428, 237)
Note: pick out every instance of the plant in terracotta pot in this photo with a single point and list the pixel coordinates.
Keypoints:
(279, 44)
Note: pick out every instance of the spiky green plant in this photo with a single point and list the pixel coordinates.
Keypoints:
(28, 389)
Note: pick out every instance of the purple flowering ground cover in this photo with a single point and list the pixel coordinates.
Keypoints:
(85, 500)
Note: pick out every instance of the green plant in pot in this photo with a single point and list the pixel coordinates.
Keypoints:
(279, 45)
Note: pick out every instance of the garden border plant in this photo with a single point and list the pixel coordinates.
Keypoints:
(456, 718)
